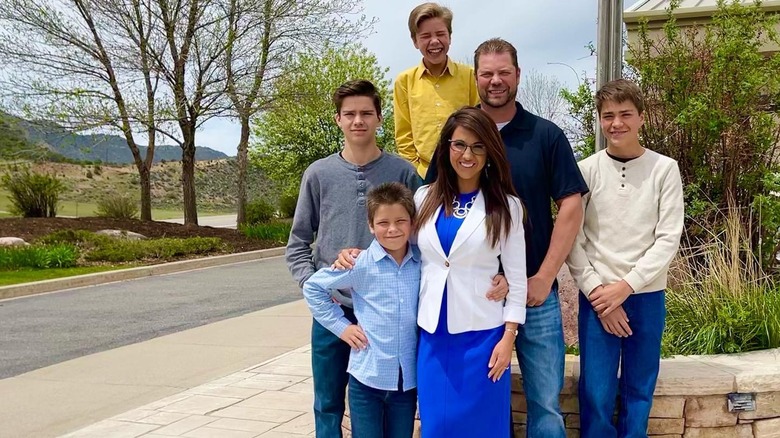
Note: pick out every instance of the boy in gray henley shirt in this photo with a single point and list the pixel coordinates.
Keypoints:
(332, 208)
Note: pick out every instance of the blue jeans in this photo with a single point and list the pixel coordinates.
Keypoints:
(329, 360)
(376, 413)
(638, 356)
(540, 352)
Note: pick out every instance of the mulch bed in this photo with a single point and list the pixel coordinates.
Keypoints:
(31, 228)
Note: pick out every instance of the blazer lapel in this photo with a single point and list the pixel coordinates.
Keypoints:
(429, 231)
(474, 218)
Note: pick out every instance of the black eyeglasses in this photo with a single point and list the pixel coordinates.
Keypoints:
(460, 146)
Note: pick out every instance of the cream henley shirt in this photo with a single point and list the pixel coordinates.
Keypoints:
(632, 223)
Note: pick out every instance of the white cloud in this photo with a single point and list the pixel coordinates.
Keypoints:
(543, 31)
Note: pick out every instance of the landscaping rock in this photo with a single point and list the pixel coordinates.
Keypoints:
(121, 234)
(708, 411)
(667, 407)
(741, 431)
(767, 428)
(767, 406)
(12, 241)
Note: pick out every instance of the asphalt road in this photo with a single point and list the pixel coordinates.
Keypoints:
(222, 221)
(42, 330)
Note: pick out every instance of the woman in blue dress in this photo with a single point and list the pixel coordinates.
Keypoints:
(466, 219)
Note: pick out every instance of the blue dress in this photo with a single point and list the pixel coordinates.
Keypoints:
(456, 397)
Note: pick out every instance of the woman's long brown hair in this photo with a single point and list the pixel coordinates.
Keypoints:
(495, 180)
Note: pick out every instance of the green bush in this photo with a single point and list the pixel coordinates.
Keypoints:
(719, 299)
(118, 207)
(79, 238)
(33, 194)
(277, 231)
(287, 205)
(259, 211)
(167, 248)
(38, 256)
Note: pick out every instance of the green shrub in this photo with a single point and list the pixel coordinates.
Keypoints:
(38, 256)
(720, 301)
(259, 211)
(287, 205)
(33, 194)
(277, 231)
(118, 207)
(79, 238)
(166, 248)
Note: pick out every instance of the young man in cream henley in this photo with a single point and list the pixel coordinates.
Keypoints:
(633, 219)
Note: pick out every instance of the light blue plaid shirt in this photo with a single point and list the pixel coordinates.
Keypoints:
(385, 301)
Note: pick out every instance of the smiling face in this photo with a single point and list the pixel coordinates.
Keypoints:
(358, 121)
(467, 164)
(392, 227)
(620, 123)
(497, 80)
(433, 41)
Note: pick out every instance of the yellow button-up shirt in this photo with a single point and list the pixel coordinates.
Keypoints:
(422, 102)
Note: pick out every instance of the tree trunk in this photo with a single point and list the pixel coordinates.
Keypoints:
(189, 200)
(243, 145)
(146, 193)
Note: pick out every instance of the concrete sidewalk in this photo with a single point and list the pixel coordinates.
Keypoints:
(166, 386)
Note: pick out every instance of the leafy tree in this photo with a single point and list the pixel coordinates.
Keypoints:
(712, 105)
(300, 128)
(261, 35)
(581, 126)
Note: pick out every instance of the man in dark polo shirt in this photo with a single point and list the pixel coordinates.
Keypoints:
(543, 169)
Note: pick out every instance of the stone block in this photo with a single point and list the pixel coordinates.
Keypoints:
(518, 403)
(572, 421)
(767, 406)
(667, 407)
(690, 377)
(572, 433)
(666, 436)
(665, 426)
(570, 404)
(769, 428)
(740, 431)
(519, 417)
(708, 411)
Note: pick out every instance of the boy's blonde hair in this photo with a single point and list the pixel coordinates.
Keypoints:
(619, 91)
(427, 11)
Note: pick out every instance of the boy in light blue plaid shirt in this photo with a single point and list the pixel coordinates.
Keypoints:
(385, 282)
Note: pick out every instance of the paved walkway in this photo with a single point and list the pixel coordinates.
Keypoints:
(166, 386)
(270, 400)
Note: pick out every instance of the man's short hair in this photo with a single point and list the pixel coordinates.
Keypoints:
(360, 87)
(427, 11)
(389, 194)
(619, 91)
(495, 45)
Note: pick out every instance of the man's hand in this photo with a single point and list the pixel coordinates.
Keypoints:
(616, 323)
(538, 290)
(354, 336)
(606, 299)
(499, 290)
(346, 258)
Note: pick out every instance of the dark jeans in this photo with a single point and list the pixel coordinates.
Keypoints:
(329, 360)
(376, 413)
(540, 354)
(638, 357)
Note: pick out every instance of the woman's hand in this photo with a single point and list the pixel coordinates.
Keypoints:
(502, 355)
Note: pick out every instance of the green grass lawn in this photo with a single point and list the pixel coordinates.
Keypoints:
(29, 275)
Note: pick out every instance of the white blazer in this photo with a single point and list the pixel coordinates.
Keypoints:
(468, 271)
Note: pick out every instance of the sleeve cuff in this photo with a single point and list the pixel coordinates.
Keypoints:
(634, 280)
(590, 283)
(340, 325)
(514, 314)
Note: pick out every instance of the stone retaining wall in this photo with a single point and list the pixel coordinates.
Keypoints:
(690, 398)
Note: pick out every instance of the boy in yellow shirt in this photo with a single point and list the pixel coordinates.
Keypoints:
(426, 94)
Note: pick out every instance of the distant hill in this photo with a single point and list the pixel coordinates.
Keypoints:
(92, 147)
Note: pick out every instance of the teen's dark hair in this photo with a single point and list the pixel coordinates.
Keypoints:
(360, 87)
(389, 194)
(619, 91)
(495, 180)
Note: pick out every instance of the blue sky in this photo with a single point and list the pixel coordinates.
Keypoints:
(543, 31)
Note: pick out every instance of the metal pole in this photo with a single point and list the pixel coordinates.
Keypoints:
(609, 49)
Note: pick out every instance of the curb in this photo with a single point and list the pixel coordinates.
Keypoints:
(39, 287)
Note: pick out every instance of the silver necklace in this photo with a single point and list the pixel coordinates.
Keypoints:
(459, 211)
